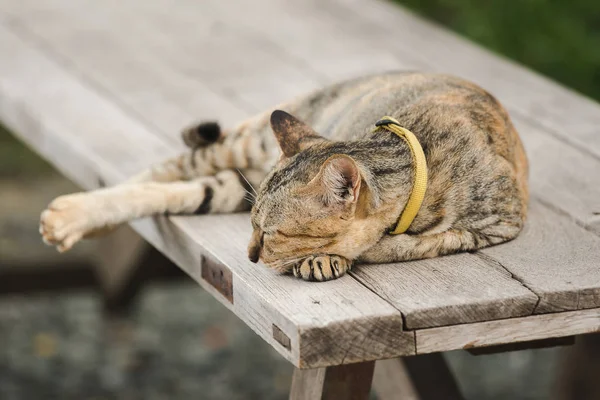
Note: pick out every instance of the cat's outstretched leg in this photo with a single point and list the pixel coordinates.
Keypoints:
(174, 186)
(73, 217)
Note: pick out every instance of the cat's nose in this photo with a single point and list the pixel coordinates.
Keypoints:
(254, 254)
(255, 247)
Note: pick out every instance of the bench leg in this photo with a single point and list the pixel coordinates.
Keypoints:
(343, 382)
(578, 373)
(423, 377)
(125, 262)
(391, 381)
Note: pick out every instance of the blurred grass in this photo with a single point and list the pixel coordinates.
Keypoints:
(558, 38)
(17, 160)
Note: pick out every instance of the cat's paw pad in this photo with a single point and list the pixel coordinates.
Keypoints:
(66, 220)
(321, 268)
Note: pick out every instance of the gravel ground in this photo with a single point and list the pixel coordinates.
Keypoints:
(180, 343)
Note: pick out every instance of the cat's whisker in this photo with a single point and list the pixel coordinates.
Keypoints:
(250, 194)
(279, 264)
(247, 181)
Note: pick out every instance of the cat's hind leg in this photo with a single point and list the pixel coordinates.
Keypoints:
(396, 248)
(70, 218)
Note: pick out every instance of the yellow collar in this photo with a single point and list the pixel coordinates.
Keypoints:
(420, 164)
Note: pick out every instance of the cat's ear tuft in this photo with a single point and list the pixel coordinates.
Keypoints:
(338, 181)
(292, 134)
(202, 134)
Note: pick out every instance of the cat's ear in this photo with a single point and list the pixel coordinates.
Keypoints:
(338, 181)
(292, 134)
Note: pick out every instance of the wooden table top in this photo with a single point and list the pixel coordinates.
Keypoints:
(102, 88)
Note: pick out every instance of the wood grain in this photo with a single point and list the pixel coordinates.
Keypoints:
(507, 331)
(456, 289)
(556, 259)
(559, 176)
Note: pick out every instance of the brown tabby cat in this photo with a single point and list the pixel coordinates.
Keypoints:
(327, 199)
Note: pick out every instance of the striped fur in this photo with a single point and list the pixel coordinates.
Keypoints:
(328, 189)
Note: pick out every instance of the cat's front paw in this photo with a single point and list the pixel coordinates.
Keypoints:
(68, 219)
(321, 268)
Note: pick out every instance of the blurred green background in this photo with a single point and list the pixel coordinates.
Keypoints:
(558, 38)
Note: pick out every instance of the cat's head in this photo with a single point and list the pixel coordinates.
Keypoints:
(312, 202)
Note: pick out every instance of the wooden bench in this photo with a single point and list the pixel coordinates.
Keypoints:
(101, 89)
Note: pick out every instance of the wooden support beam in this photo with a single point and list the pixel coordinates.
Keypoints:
(579, 370)
(424, 377)
(347, 382)
(125, 263)
(431, 377)
(391, 381)
(534, 344)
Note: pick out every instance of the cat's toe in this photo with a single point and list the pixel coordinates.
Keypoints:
(305, 270)
(296, 270)
(321, 268)
(340, 266)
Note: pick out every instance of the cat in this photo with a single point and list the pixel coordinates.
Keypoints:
(325, 186)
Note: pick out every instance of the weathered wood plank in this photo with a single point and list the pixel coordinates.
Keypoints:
(156, 94)
(556, 259)
(514, 330)
(324, 324)
(450, 290)
(533, 344)
(45, 103)
(562, 176)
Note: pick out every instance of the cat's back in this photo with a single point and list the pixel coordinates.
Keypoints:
(453, 119)
(427, 103)
(466, 134)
